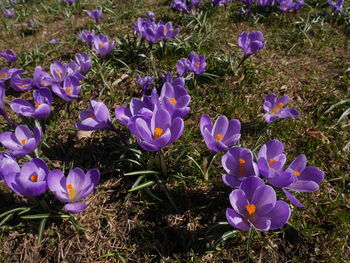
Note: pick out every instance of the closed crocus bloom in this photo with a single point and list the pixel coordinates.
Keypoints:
(95, 14)
(251, 43)
(87, 37)
(41, 78)
(67, 91)
(150, 15)
(255, 206)
(159, 131)
(176, 82)
(30, 181)
(68, 1)
(147, 30)
(271, 158)
(264, 2)
(102, 45)
(197, 64)
(180, 5)
(220, 136)
(221, 2)
(183, 66)
(9, 55)
(84, 62)
(239, 165)
(144, 82)
(8, 164)
(195, 3)
(274, 108)
(175, 100)
(9, 13)
(97, 118)
(41, 108)
(2, 104)
(166, 31)
(21, 142)
(21, 84)
(73, 188)
(299, 4)
(336, 6)
(306, 178)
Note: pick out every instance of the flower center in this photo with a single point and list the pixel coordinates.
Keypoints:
(34, 178)
(218, 137)
(71, 191)
(43, 83)
(23, 141)
(10, 52)
(271, 162)
(158, 132)
(165, 31)
(37, 105)
(296, 173)
(3, 75)
(59, 73)
(198, 64)
(241, 166)
(102, 44)
(250, 209)
(22, 86)
(277, 108)
(69, 91)
(173, 101)
(90, 115)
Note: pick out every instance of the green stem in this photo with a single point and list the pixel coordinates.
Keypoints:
(162, 163)
(249, 242)
(206, 168)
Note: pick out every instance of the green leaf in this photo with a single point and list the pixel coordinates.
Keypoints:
(8, 217)
(76, 224)
(12, 211)
(144, 185)
(48, 215)
(141, 172)
(41, 230)
(225, 236)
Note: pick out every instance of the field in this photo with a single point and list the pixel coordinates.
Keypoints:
(174, 219)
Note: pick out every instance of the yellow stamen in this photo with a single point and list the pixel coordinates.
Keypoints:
(34, 178)
(158, 132)
(277, 108)
(71, 191)
(250, 209)
(296, 173)
(59, 73)
(37, 105)
(173, 101)
(69, 91)
(198, 64)
(241, 166)
(102, 44)
(165, 31)
(22, 86)
(43, 83)
(218, 137)
(3, 75)
(271, 162)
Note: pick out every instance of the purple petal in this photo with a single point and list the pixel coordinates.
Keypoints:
(236, 220)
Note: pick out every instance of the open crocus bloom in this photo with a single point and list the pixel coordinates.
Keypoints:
(30, 180)
(197, 64)
(21, 84)
(102, 45)
(222, 135)
(69, 90)
(73, 188)
(254, 205)
(305, 178)
(239, 165)
(22, 141)
(84, 62)
(251, 43)
(336, 6)
(166, 31)
(41, 78)
(274, 108)
(9, 55)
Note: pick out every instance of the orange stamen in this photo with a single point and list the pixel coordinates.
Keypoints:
(198, 64)
(71, 191)
(23, 141)
(43, 83)
(37, 105)
(22, 86)
(3, 75)
(296, 173)
(277, 108)
(250, 209)
(158, 132)
(218, 137)
(173, 101)
(34, 178)
(102, 44)
(69, 91)
(271, 162)
(241, 166)
(165, 31)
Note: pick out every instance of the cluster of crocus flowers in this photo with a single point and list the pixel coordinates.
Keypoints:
(274, 108)
(336, 6)
(251, 42)
(195, 64)
(98, 43)
(9, 55)
(290, 5)
(183, 6)
(254, 203)
(152, 31)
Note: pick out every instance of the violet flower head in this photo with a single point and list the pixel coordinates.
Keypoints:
(30, 23)
(87, 37)
(8, 165)
(9, 55)
(274, 108)
(42, 105)
(21, 84)
(166, 31)
(21, 142)
(221, 2)
(255, 205)
(150, 15)
(195, 3)
(180, 5)
(97, 118)
(68, 1)
(41, 78)
(5, 74)
(2, 104)
(286, 5)
(251, 43)
(30, 180)
(336, 6)
(305, 178)
(222, 135)
(264, 2)
(95, 14)
(67, 91)
(145, 82)
(53, 41)
(9, 13)
(182, 66)
(197, 64)
(102, 45)
(239, 165)
(159, 131)
(299, 4)
(73, 188)
(84, 62)
(59, 72)
(147, 30)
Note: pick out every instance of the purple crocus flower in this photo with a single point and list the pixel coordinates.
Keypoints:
(273, 107)
(144, 82)
(159, 131)
(73, 188)
(286, 5)
(175, 100)
(8, 165)
(67, 91)
(87, 37)
(22, 141)
(180, 5)
(30, 23)
(84, 62)
(97, 118)
(182, 66)
(264, 2)
(176, 82)
(221, 2)
(166, 31)
(21, 84)
(147, 30)
(305, 178)
(4, 75)
(336, 6)
(238, 163)
(197, 64)
(9, 55)
(150, 16)
(68, 1)
(95, 14)
(222, 135)
(102, 45)
(41, 78)
(9, 13)
(53, 41)
(195, 3)
(2, 104)
(255, 205)
(251, 43)
(299, 4)
(30, 180)
(59, 72)
(42, 105)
